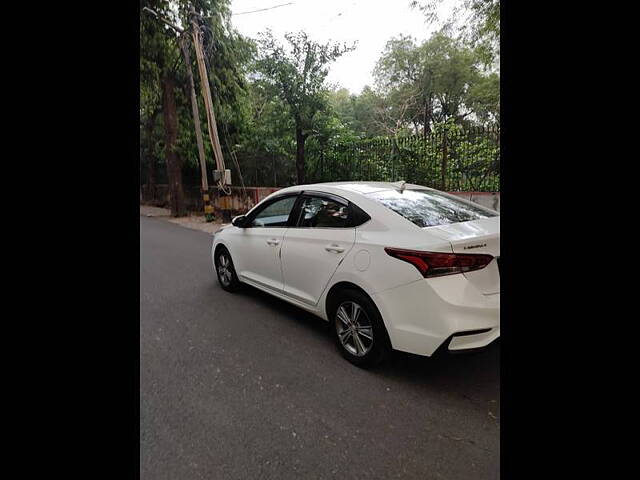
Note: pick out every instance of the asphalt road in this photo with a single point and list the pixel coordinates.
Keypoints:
(245, 386)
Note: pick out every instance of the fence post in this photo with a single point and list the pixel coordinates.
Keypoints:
(393, 159)
(443, 173)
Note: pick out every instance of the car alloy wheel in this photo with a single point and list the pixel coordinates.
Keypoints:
(354, 328)
(225, 274)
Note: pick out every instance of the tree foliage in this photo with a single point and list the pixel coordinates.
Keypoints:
(435, 81)
(297, 75)
(227, 55)
(279, 120)
(478, 22)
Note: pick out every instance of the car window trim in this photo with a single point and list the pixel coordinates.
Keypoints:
(356, 213)
(251, 216)
(328, 196)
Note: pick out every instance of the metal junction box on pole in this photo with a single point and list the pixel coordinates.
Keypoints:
(222, 175)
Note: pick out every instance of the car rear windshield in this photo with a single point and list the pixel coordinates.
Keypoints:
(428, 208)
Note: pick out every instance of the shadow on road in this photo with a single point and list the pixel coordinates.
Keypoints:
(286, 309)
(470, 374)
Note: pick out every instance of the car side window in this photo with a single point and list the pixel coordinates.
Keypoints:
(275, 214)
(318, 212)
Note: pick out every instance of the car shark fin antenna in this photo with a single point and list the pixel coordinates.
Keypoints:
(400, 186)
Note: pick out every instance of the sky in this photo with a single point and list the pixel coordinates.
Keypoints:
(369, 22)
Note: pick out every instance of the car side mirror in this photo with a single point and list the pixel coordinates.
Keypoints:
(239, 221)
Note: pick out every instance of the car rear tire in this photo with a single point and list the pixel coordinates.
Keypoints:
(358, 329)
(225, 271)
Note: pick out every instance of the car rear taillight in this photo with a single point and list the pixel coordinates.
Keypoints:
(437, 264)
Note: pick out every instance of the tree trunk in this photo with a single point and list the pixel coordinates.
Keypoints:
(151, 181)
(174, 171)
(427, 118)
(151, 159)
(443, 168)
(300, 139)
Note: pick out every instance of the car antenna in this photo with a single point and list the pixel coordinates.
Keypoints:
(400, 186)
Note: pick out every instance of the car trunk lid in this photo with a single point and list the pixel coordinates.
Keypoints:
(476, 236)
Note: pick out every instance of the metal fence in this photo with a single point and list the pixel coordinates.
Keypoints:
(455, 159)
(452, 160)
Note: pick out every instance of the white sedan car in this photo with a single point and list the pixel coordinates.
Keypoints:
(389, 265)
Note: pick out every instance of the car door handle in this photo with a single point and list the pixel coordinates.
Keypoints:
(334, 248)
(273, 241)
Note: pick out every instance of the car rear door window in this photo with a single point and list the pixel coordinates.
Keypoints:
(275, 214)
(428, 208)
(319, 212)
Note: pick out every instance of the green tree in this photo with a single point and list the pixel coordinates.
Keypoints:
(297, 76)
(478, 21)
(440, 79)
(342, 103)
(359, 113)
(369, 108)
(158, 70)
(266, 147)
(484, 99)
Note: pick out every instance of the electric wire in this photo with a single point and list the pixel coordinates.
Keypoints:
(234, 158)
(264, 9)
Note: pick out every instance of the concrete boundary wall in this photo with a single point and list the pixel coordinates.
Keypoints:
(240, 204)
(486, 199)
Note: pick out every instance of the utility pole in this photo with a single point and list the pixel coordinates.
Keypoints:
(208, 209)
(221, 175)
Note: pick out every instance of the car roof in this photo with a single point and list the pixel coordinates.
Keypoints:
(362, 188)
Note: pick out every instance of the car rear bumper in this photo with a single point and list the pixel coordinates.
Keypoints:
(421, 316)
(472, 340)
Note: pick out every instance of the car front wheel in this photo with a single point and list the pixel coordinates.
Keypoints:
(225, 271)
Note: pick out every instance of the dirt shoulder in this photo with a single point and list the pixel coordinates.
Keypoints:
(194, 222)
